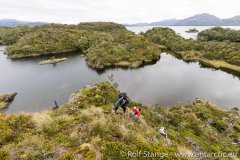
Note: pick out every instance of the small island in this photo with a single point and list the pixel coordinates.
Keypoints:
(52, 60)
(6, 99)
(192, 30)
(104, 44)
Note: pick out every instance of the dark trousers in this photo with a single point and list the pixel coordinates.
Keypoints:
(124, 107)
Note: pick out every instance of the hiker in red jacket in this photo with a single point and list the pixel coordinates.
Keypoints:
(136, 111)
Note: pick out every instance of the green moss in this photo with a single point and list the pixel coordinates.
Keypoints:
(67, 156)
(114, 150)
(101, 95)
(14, 127)
(3, 155)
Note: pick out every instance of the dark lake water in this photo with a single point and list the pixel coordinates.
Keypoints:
(168, 82)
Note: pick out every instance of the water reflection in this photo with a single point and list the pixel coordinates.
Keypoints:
(167, 82)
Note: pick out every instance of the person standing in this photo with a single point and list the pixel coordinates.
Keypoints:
(122, 102)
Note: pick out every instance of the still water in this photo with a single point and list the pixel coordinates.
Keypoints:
(170, 81)
(181, 30)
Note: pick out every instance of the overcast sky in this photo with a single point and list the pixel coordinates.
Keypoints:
(121, 11)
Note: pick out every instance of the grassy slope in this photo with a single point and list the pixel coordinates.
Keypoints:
(105, 44)
(84, 129)
(219, 55)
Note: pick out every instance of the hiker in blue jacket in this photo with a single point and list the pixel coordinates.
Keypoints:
(123, 101)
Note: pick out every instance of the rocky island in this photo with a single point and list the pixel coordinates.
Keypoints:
(6, 99)
(192, 30)
(52, 60)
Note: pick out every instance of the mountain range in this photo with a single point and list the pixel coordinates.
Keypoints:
(204, 19)
(14, 23)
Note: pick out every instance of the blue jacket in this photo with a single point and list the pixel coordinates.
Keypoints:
(120, 102)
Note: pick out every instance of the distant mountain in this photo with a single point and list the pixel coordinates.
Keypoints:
(200, 20)
(14, 23)
(137, 24)
(167, 22)
(234, 21)
(204, 19)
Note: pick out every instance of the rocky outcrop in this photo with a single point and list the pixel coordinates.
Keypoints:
(6, 99)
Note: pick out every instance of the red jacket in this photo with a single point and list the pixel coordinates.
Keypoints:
(136, 112)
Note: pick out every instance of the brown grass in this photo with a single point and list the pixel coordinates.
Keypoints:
(2, 105)
(41, 118)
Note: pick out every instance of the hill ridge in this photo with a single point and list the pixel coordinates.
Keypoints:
(203, 19)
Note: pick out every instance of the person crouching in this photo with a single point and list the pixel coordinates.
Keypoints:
(136, 112)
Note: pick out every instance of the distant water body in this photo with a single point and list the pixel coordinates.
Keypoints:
(178, 29)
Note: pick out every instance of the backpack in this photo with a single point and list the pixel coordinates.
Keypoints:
(123, 94)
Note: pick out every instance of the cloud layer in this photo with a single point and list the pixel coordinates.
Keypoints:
(121, 11)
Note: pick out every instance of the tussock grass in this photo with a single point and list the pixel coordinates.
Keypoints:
(43, 117)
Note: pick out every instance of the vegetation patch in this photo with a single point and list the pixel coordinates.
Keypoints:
(219, 34)
(105, 44)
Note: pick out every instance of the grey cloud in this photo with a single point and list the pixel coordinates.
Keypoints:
(123, 11)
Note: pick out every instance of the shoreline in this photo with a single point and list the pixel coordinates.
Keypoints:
(121, 64)
(214, 64)
(218, 65)
(14, 57)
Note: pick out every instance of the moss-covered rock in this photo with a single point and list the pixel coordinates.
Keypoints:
(6, 99)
